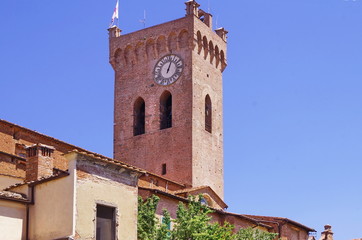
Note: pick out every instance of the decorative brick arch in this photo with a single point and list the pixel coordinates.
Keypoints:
(183, 39)
(150, 49)
(172, 42)
(161, 45)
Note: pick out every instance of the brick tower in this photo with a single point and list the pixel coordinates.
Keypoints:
(168, 98)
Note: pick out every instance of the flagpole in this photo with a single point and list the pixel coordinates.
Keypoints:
(118, 13)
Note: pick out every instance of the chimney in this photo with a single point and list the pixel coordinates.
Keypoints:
(327, 234)
(114, 31)
(40, 162)
(221, 32)
(192, 8)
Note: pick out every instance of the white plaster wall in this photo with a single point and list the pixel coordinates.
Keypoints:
(51, 216)
(106, 192)
(12, 220)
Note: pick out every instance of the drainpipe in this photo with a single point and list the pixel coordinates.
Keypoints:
(27, 222)
(28, 212)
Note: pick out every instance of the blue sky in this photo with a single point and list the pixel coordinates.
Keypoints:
(292, 94)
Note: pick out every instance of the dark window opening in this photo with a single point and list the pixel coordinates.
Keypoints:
(208, 114)
(106, 226)
(166, 110)
(168, 225)
(139, 117)
(203, 201)
(164, 169)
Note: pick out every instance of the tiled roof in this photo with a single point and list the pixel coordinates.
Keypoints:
(166, 179)
(188, 190)
(172, 195)
(120, 163)
(86, 152)
(109, 160)
(57, 174)
(12, 196)
(40, 134)
(245, 217)
(12, 155)
(168, 193)
(281, 219)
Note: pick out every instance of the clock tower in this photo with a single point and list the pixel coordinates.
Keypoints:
(168, 98)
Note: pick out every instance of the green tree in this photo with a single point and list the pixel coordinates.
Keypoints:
(147, 221)
(192, 223)
(254, 234)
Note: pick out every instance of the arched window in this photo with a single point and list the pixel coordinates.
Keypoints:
(166, 110)
(208, 114)
(139, 117)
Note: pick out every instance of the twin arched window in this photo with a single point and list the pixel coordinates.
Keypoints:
(139, 114)
(165, 113)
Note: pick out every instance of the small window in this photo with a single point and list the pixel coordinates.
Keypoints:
(166, 110)
(164, 169)
(208, 114)
(106, 226)
(139, 117)
(167, 223)
(203, 201)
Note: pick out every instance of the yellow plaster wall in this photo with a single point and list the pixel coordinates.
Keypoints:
(105, 192)
(6, 181)
(52, 215)
(12, 220)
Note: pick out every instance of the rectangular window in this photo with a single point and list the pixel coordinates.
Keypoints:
(164, 170)
(106, 224)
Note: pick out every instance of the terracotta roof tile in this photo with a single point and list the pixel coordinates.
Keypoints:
(279, 219)
(171, 194)
(57, 174)
(40, 134)
(108, 160)
(12, 196)
(187, 190)
(84, 151)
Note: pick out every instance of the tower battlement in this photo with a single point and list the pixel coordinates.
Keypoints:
(151, 43)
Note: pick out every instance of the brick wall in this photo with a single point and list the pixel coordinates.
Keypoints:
(192, 155)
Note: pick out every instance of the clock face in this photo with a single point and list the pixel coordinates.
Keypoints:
(168, 69)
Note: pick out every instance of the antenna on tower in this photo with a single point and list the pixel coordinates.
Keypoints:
(208, 6)
(144, 19)
(216, 21)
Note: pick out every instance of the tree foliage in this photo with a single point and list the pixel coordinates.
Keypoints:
(192, 223)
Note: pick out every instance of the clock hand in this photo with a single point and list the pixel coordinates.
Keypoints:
(168, 69)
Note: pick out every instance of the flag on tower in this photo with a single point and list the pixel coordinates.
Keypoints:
(115, 15)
